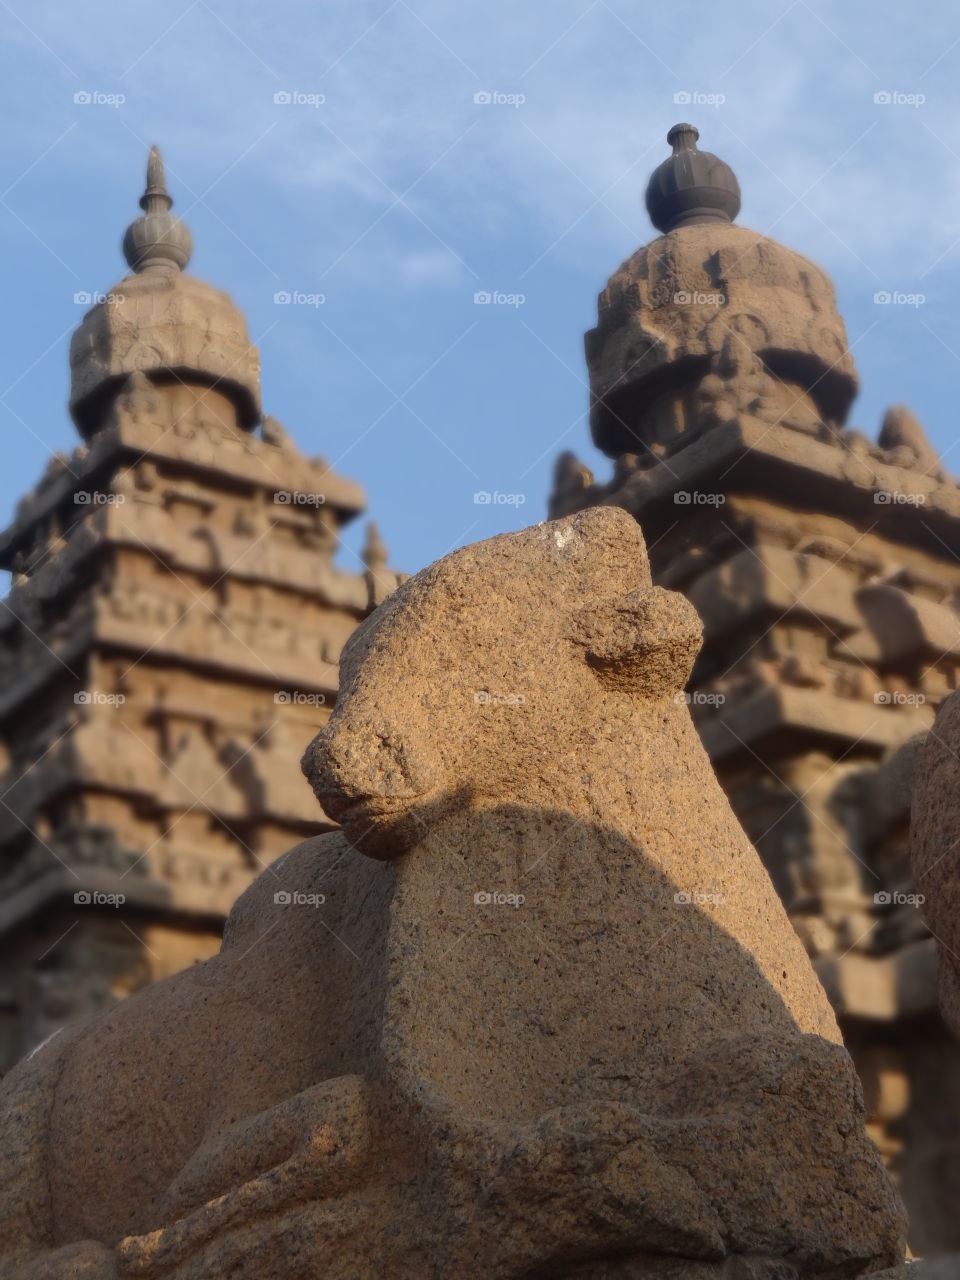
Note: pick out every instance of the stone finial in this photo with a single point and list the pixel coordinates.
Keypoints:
(375, 553)
(161, 320)
(902, 430)
(724, 317)
(571, 480)
(157, 240)
(691, 186)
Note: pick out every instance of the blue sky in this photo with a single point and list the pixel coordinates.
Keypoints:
(399, 197)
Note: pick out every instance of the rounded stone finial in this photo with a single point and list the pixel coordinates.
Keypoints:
(683, 137)
(157, 240)
(691, 186)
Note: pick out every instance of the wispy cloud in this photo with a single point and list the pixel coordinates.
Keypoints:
(400, 193)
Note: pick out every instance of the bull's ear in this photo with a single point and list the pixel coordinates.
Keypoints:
(643, 643)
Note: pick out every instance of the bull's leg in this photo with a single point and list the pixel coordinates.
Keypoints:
(307, 1149)
(743, 1160)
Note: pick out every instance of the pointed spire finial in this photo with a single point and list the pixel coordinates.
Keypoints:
(157, 240)
(155, 199)
(375, 553)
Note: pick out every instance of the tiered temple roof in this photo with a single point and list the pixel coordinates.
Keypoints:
(169, 645)
(825, 568)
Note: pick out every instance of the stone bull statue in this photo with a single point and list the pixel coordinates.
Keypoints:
(534, 1011)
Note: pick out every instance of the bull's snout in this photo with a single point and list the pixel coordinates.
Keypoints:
(379, 765)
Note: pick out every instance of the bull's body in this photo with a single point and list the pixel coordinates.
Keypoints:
(423, 1076)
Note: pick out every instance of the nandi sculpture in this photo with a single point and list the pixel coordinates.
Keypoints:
(535, 1011)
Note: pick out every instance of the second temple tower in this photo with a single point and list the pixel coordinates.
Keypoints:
(825, 568)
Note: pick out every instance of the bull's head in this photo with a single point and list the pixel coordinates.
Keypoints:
(488, 675)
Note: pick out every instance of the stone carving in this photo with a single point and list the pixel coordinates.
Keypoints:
(935, 1269)
(173, 546)
(708, 320)
(570, 478)
(935, 848)
(536, 1010)
(826, 568)
(902, 430)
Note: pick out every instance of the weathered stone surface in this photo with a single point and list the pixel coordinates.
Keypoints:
(930, 1269)
(160, 321)
(909, 629)
(935, 846)
(775, 582)
(535, 1011)
(748, 322)
(826, 568)
(169, 642)
(880, 988)
(901, 429)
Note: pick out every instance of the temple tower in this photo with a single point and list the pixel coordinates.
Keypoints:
(169, 646)
(825, 568)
